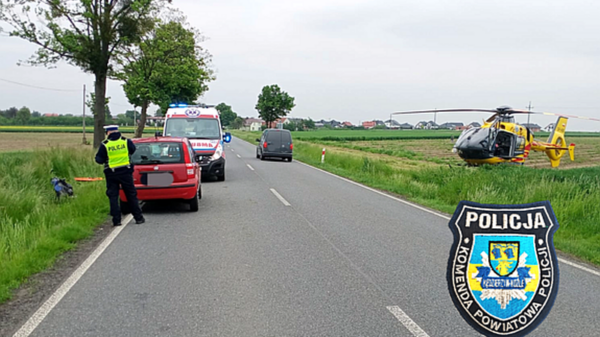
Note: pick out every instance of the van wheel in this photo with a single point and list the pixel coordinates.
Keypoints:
(125, 209)
(221, 177)
(290, 159)
(262, 156)
(194, 204)
(257, 155)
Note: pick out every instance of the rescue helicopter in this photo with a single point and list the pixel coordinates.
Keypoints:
(501, 140)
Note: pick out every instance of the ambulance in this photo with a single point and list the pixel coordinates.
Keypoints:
(202, 126)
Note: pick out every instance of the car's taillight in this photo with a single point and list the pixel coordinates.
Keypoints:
(186, 154)
(265, 145)
(291, 146)
(188, 162)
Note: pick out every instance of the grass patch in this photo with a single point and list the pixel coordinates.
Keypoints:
(70, 129)
(573, 193)
(34, 228)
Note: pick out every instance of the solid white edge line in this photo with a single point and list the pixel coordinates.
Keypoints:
(250, 167)
(407, 322)
(572, 264)
(37, 318)
(280, 197)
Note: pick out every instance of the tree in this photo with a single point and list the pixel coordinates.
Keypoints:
(36, 114)
(91, 103)
(237, 123)
(309, 123)
(226, 113)
(273, 103)
(166, 65)
(23, 115)
(10, 112)
(85, 33)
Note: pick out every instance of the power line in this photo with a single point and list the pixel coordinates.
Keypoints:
(36, 87)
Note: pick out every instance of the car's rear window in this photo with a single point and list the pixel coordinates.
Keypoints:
(158, 153)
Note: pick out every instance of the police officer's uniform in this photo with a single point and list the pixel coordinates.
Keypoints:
(114, 153)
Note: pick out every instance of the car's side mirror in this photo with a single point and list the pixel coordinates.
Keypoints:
(258, 140)
(227, 137)
(158, 134)
(198, 158)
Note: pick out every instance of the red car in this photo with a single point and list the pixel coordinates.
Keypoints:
(165, 168)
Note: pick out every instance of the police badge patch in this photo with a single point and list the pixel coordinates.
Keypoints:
(502, 271)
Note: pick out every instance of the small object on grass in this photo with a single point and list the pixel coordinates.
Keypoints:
(61, 187)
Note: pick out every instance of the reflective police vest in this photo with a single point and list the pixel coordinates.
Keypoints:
(118, 154)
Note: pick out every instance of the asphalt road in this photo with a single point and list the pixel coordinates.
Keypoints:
(248, 265)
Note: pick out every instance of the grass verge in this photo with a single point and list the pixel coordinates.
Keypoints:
(34, 228)
(574, 193)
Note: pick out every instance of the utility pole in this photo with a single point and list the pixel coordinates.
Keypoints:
(529, 114)
(84, 140)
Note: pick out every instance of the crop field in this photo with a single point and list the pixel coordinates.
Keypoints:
(67, 129)
(24, 141)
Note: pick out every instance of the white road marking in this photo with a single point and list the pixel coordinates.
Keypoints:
(572, 264)
(45, 309)
(250, 167)
(407, 322)
(280, 197)
(238, 156)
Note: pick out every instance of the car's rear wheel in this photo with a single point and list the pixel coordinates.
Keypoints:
(125, 209)
(193, 204)
(257, 155)
(262, 156)
(199, 192)
(290, 159)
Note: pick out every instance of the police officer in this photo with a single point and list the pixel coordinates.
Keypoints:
(114, 154)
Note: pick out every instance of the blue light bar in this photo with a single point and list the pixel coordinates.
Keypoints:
(182, 105)
(172, 105)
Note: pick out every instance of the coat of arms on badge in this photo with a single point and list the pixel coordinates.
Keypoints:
(502, 271)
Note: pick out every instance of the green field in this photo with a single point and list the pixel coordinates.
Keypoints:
(69, 129)
(410, 168)
(360, 135)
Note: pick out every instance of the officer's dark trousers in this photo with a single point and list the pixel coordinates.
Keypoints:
(125, 181)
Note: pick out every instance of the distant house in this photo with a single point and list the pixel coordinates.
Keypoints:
(252, 124)
(50, 115)
(451, 126)
(405, 126)
(427, 125)
(347, 124)
(533, 127)
(392, 124)
(369, 125)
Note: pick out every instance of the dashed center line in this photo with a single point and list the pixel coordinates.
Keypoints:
(250, 167)
(407, 322)
(238, 156)
(280, 197)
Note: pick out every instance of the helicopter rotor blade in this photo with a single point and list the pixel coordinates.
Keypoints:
(443, 110)
(555, 114)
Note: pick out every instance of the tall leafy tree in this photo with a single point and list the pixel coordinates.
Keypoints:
(273, 103)
(85, 33)
(237, 123)
(166, 65)
(23, 115)
(226, 113)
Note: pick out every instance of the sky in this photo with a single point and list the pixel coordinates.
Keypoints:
(359, 60)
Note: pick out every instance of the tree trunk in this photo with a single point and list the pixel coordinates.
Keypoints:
(99, 117)
(140, 128)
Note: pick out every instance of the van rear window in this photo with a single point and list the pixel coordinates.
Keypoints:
(158, 153)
